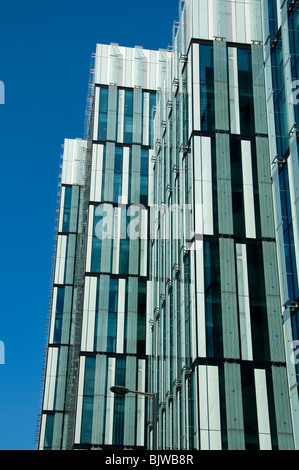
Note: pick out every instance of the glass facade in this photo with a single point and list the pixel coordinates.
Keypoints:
(281, 37)
(177, 243)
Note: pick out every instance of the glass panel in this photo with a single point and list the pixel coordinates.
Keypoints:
(118, 165)
(237, 187)
(59, 315)
(67, 209)
(49, 432)
(245, 92)
(103, 116)
(87, 408)
(213, 300)
(207, 99)
(249, 408)
(119, 403)
(128, 117)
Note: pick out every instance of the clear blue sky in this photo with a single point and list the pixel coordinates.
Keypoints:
(45, 54)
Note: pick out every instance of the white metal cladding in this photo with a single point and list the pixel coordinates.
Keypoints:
(237, 21)
(73, 159)
(129, 67)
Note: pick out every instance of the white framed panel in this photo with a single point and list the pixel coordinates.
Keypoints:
(121, 316)
(196, 88)
(125, 175)
(61, 209)
(233, 90)
(50, 382)
(121, 115)
(248, 190)
(141, 380)
(244, 303)
(146, 118)
(214, 408)
(96, 113)
(200, 300)
(262, 409)
(89, 238)
(89, 313)
(116, 240)
(143, 242)
(206, 159)
(60, 259)
(96, 173)
(110, 402)
(53, 314)
(80, 400)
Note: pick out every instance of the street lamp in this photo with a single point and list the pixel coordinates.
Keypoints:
(119, 390)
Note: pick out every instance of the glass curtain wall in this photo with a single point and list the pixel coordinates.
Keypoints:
(218, 359)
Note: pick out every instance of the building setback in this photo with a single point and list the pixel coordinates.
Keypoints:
(175, 267)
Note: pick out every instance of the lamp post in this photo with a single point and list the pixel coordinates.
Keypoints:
(119, 390)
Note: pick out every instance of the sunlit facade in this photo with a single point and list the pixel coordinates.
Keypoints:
(170, 255)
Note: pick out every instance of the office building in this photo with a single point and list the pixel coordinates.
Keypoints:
(170, 251)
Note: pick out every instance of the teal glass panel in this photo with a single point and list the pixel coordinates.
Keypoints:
(103, 114)
(151, 116)
(128, 117)
(112, 315)
(117, 183)
(67, 210)
(249, 408)
(288, 234)
(59, 315)
(141, 326)
(119, 403)
(247, 121)
(88, 398)
(207, 95)
(258, 303)
(49, 432)
(144, 177)
(214, 330)
(97, 241)
(237, 187)
(279, 100)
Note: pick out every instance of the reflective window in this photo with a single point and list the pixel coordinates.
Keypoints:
(87, 408)
(246, 92)
(67, 209)
(59, 315)
(112, 315)
(118, 164)
(102, 133)
(128, 117)
(207, 98)
(144, 177)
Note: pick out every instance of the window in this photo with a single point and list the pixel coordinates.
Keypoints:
(288, 234)
(67, 210)
(213, 299)
(102, 134)
(237, 187)
(118, 164)
(128, 117)
(207, 98)
(87, 411)
(144, 177)
(59, 315)
(246, 92)
(112, 315)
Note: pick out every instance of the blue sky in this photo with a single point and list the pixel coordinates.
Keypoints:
(45, 55)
